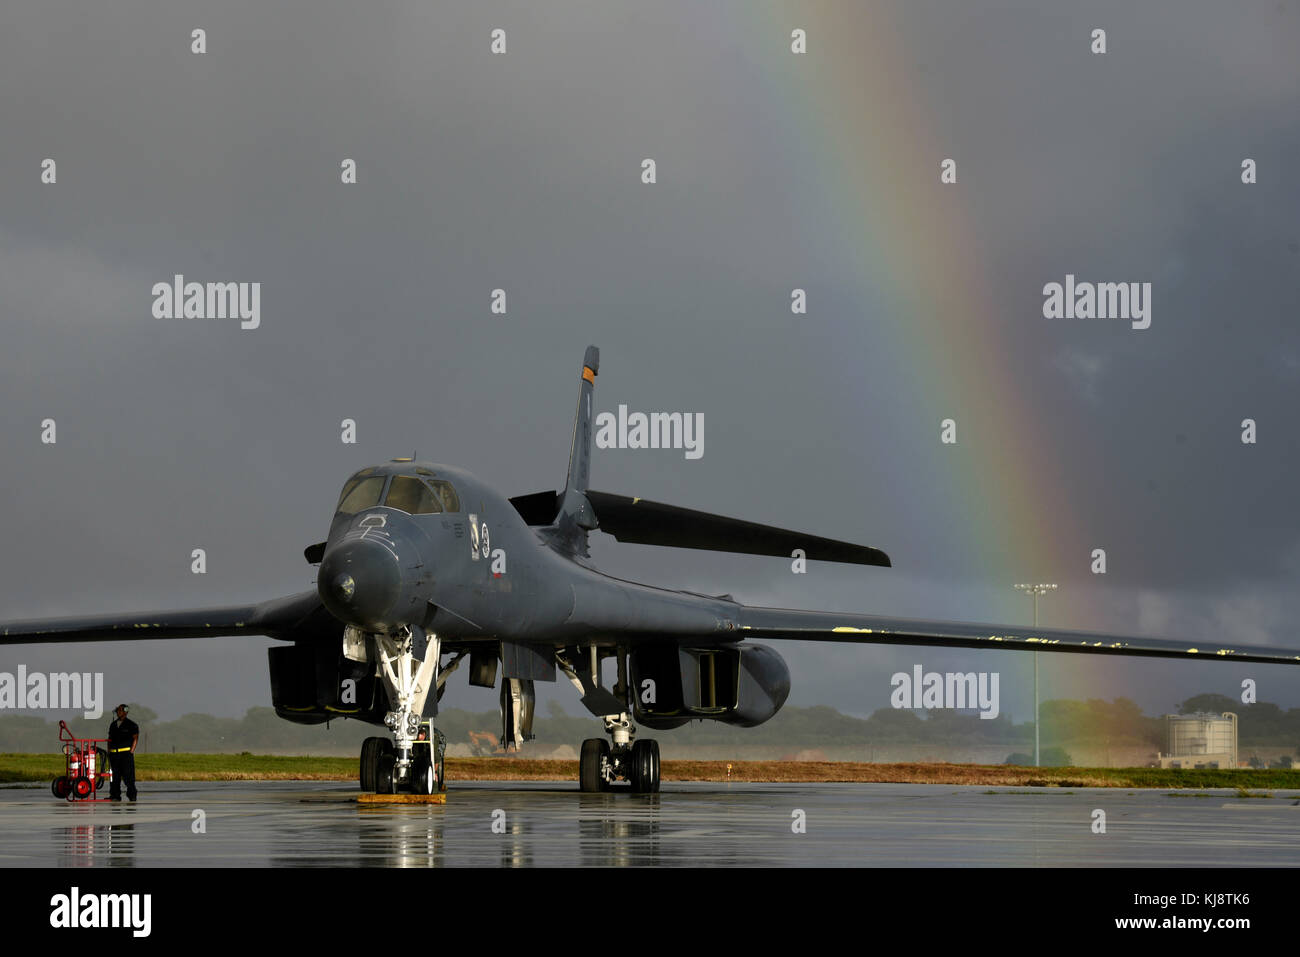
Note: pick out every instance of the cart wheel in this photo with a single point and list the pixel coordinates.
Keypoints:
(81, 787)
(61, 787)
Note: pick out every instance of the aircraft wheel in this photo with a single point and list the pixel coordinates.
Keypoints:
(645, 766)
(589, 779)
(653, 750)
(384, 782)
(61, 787)
(371, 749)
(638, 768)
(423, 780)
(442, 775)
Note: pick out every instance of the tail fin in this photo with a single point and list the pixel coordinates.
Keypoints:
(580, 453)
(576, 516)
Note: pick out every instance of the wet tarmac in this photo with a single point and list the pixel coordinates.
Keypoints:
(308, 824)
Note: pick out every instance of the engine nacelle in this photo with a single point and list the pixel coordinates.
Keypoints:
(312, 682)
(741, 684)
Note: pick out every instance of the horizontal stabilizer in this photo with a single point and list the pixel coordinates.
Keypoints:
(653, 523)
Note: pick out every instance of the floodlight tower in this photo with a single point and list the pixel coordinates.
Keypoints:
(1035, 591)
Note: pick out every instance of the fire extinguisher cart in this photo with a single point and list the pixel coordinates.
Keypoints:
(86, 767)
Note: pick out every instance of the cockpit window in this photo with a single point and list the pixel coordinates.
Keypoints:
(446, 495)
(411, 495)
(360, 493)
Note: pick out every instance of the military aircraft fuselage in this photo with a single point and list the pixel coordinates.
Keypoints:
(474, 569)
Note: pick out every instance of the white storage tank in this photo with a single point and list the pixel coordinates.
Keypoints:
(1203, 739)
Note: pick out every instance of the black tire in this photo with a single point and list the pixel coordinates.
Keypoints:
(82, 787)
(637, 768)
(654, 761)
(422, 777)
(61, 787)
(645, 767)
(593, 750)
(442, 775)
(384, 781)
(371, 749)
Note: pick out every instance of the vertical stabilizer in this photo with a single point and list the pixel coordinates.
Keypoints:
(576, 516)
(580, 452)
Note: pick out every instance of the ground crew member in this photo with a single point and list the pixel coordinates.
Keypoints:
(122, 737)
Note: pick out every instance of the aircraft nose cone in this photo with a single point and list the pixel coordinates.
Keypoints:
(344, 587)
(359, 582)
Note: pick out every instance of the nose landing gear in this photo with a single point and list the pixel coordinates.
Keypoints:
(413, 759)
(427, 772)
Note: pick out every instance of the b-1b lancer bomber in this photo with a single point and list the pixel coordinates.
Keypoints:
(426, 568)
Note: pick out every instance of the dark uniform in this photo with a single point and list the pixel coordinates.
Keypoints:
(121, 735)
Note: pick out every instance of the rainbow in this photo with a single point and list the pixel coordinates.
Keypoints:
(911, 246)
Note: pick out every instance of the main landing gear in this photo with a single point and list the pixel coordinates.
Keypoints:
(602, 764)
(619, 759)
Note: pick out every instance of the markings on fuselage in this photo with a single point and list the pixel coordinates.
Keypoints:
(372, 528)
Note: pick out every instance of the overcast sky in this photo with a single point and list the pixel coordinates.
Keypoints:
(522, 171)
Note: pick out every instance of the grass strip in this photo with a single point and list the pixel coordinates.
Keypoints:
(17, 768)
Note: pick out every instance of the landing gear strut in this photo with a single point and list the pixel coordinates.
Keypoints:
(619, 759)
(413, 758)
(602, 764)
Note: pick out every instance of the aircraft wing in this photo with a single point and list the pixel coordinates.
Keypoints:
(644, 522)
(278, 618)
(871, 629)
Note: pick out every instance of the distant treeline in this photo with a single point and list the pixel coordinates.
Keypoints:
(1113, 723)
